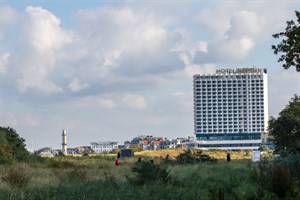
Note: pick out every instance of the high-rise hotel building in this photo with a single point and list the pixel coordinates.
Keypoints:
(231, 108)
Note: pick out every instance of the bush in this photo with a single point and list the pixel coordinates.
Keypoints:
(147, 171)
(189, 157)
(72, 174)
(292, 162)
(5, 154)
(17, 176)
(111, 180)
(248, 152)
(77, 173)
(61, 164)
(281, 180)
(136, 149)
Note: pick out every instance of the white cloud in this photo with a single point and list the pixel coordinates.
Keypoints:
(35, 57)
(3, 63)
(76, 86)
(127, 63)
(230, 50)
(85, 102)
(43, 30)
(134, 101)
(109, 101)
(244, 23)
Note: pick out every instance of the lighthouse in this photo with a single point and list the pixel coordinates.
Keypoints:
(64, 142)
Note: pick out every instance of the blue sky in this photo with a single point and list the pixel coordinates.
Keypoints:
(112, 70)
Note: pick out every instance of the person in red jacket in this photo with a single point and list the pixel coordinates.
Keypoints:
(118, 162)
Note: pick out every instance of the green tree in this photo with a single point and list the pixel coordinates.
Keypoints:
(285, 130)
(5, 150)
(289, 47)
(12, 146)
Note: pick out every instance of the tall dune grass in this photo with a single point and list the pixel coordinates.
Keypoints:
(97, 177)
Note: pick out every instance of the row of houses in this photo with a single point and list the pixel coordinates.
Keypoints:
(144, 142)
(149, 142)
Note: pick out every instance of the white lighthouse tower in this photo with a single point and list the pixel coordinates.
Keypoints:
(64, 142)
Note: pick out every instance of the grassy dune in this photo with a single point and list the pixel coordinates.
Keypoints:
(97, 177)
(173, 153)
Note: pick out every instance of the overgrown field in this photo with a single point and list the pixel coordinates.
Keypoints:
(187, 175)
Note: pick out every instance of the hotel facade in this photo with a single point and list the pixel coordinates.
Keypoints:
(231, 108)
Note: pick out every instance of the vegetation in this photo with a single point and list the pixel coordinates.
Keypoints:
(12, 146)
(191, 174)
(290, 44)
(97, 177)
(285, 130)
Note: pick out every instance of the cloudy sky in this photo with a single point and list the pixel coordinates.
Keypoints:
(115, 70)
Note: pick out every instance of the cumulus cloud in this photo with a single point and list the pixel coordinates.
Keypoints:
(76, 86)
(110, 101)
(244, 23)
(236, 28)
(113, 45)
(134, 101)
(107, 103)
(3, 62)
(34, 58)
(118, 61)
(43, 30)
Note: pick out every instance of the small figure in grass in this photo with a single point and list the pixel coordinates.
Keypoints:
(118, 162)
(167, 157)
(118, 155)
(228, 157)
(140, 159)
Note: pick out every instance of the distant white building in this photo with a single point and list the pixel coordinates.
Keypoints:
(168, 144)
(45, 152)
(231, 108)
(104, 147)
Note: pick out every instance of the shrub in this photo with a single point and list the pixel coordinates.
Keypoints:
(85, 154)
(147, 171)
(77, 173)
(136, 149)
(111, 180)
(189, 157)
(292, 162)
(71, 174)
(115, 151)
(281, 180)
(61, 164)
(5, 154)
(248, 152)
(17, 176)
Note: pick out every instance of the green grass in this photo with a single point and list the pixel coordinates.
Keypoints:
(97, 177)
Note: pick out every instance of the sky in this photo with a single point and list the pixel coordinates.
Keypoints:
(113, 70)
